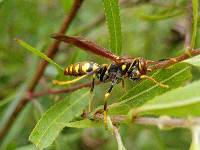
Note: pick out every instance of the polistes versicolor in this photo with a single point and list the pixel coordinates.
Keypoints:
(132, 68)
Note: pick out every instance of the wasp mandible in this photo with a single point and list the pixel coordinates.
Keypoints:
(116, 72)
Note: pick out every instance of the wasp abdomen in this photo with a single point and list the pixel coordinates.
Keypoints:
(81, 68)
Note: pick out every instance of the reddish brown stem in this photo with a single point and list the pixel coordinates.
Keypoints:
(62, 91)
(171, 61)
(51, 51)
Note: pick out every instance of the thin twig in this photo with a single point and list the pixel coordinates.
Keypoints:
(118, 138)
(171, 61)
(62, 91)
(167, 122)
(161, 122)
(51, 52)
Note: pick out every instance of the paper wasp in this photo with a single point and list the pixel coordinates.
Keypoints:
(132, 68)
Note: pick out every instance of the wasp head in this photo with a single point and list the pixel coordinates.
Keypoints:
(137, 69)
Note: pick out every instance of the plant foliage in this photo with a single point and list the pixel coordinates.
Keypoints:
(150, 29)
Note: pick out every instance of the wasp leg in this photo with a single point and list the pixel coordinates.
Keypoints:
(91, 94)
(153, 80)
(72, 81)
(123, 86)
(105, 108)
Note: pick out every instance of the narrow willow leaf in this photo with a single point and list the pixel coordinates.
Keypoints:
(53, 121)
(195, 145)
(84, 124)
(183, 101)
(194, 61)
(195, 22)
(38, 53)
(112, 14)
(174, 76)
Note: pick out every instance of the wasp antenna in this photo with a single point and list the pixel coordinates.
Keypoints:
(152, 79)
(70, 81)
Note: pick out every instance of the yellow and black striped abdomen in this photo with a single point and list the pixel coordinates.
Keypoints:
(81, 68)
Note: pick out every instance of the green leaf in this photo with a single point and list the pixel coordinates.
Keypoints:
(195, 22)
(53, 121)
(38, 53)
(84, 124)
(174, 76)
(183, 101)
(112, 14)
(194, 61)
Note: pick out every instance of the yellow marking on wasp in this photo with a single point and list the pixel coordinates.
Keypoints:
(105, 65)
(118, 57)
(70, 81)
(107, 95)
(66, 70)
(85, 67)
(77, 68)
(105, 119)
(107, 69)
(70, 69)
(123, 67)
(95, 67)
(130, 66)
(140, 67)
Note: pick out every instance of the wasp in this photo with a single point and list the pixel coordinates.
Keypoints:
(116, 72)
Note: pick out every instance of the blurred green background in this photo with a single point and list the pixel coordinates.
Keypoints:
(151, 29)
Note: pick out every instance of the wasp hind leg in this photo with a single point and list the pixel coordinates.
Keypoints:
(123, 86)
(91, 94)
(72, 81)
(105, 108)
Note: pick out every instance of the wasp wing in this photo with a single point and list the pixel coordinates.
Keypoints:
(87, 45)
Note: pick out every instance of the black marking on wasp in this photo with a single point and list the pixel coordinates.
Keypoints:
(132, 68)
